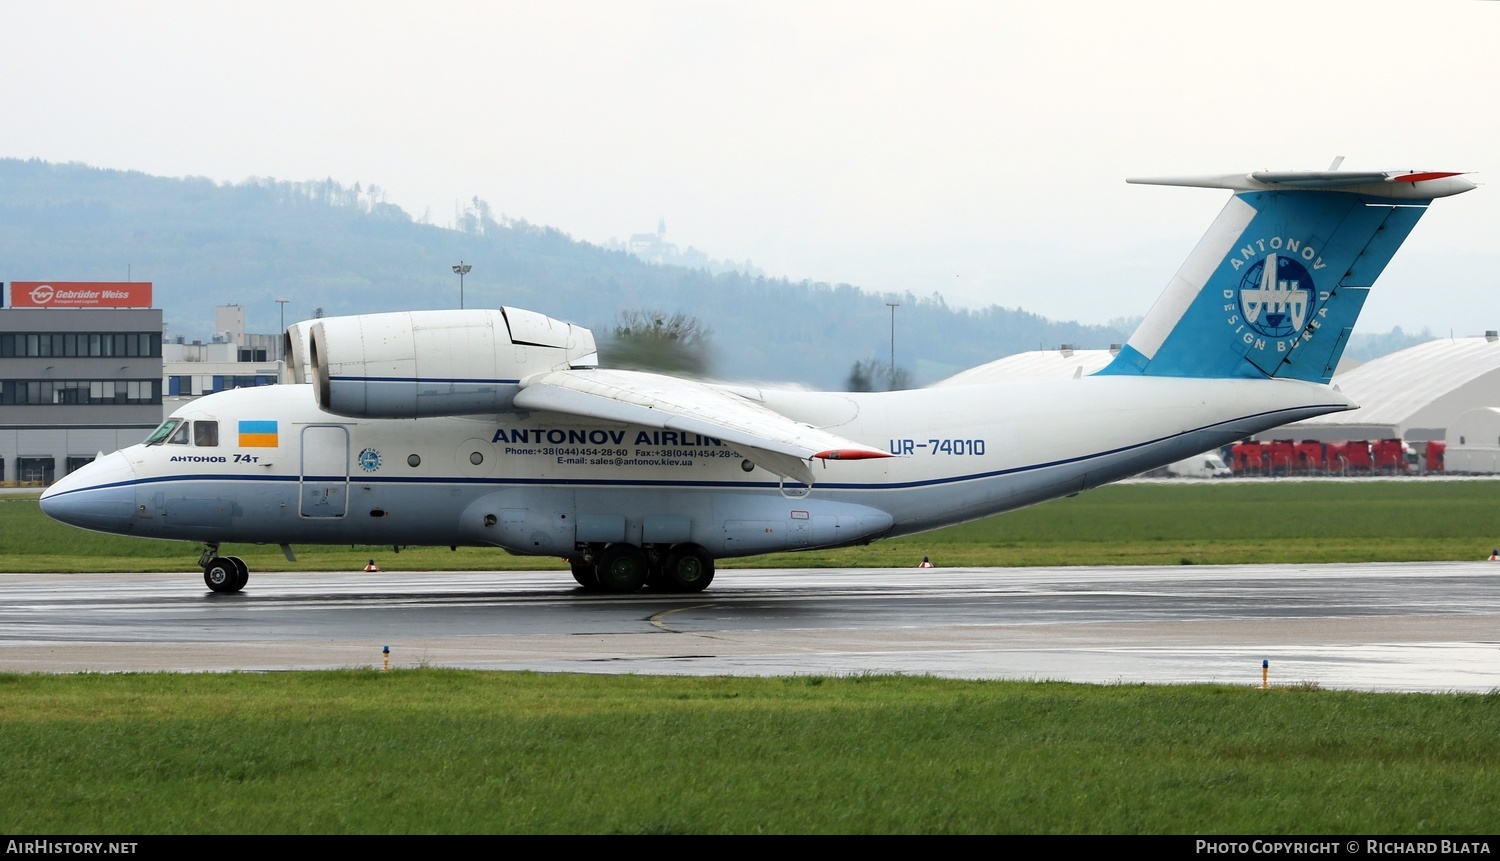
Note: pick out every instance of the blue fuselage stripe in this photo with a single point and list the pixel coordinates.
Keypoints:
(676, 483)
(342, 379)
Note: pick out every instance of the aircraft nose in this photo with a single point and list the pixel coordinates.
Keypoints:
(99, 496)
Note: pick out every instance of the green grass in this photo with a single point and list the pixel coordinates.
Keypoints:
(1190, 523)
(457, 751)
(447, 751)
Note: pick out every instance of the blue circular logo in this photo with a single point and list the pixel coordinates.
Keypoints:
(1277, 296)
(369, 460)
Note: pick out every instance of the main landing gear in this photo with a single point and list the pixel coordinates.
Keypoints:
(626, 568)
(223, 573)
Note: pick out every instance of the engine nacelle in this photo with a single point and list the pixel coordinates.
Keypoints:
(435, 363)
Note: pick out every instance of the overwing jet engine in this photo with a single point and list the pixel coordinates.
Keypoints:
(434, 363)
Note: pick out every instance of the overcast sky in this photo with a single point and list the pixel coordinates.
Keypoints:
(977, 150)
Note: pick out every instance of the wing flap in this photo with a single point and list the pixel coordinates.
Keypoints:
(774, 441)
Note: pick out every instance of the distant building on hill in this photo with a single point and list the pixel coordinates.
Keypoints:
(653, 247)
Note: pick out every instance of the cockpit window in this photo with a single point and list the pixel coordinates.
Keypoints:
(180, 437)
(160, 435)
(206, 433)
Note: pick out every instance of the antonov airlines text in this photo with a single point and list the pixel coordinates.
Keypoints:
(579, 436)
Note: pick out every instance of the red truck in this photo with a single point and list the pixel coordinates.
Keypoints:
(1348, 458)
(1248, 458)
(1434, 455)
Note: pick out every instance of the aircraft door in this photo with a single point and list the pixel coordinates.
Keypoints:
(325, 471)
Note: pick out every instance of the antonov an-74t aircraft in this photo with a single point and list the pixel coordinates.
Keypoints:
(496, 427)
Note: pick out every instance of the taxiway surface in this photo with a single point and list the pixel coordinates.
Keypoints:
(1394, 627)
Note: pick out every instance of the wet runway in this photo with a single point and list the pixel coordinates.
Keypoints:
(1391, 627)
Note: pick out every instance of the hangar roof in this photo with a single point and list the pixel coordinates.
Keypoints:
(1394, 389)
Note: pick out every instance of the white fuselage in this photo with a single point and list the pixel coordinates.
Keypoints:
(544, 483)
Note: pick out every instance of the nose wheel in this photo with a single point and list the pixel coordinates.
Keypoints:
(223, 573)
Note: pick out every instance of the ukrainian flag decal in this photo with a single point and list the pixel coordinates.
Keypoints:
(258, 434)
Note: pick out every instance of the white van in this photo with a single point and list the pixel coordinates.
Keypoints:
(1206, 465)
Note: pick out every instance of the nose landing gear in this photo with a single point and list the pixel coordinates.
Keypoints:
(223, 573)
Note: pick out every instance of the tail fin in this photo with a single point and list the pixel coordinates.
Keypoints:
(1274, 287)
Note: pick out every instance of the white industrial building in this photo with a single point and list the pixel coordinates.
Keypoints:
(1474, 442)
(231, 359)
(1416, 394)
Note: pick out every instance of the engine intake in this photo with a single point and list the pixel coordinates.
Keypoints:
(410, 364)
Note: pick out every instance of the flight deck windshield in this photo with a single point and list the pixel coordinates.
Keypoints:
(160, 434)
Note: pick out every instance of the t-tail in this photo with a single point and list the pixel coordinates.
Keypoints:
(1274, 287)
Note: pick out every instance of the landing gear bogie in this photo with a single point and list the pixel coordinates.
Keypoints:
(623, 568)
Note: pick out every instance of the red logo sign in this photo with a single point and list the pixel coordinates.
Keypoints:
(80, 294)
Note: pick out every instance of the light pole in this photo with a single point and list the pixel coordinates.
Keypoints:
(462, 269)
(281, 342)
(894, 306)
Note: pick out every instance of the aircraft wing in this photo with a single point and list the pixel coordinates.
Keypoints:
(770, 439)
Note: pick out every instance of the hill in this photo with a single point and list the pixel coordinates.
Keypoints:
(344, 250)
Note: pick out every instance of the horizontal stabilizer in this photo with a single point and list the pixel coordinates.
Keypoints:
(1396, 184)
